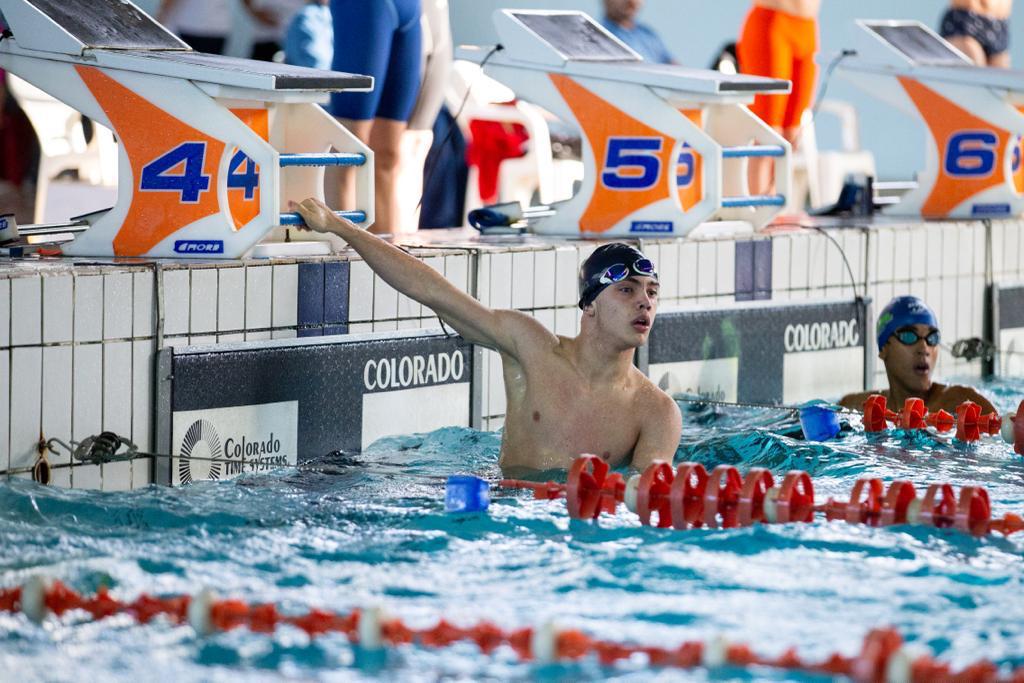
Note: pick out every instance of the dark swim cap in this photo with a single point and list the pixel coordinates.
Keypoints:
(901, 312)
(608, 264)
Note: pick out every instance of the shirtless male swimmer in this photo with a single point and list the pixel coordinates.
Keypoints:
(908, 344)
(566, 396)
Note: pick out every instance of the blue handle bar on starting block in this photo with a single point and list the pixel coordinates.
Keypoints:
(753, 200)
(334, 159)
(753, 151)
(288, 219)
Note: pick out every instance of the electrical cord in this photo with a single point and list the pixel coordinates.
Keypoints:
(828, 79)
(750, 404)
(842, 252)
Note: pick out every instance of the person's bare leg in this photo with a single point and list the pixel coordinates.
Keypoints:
(409, 181)
(970, 47)
(761, 172)
(386, 143)
(1000, 60)
(345, 177)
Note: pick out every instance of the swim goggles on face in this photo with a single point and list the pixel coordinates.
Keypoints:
(910, 337)
(620, 271)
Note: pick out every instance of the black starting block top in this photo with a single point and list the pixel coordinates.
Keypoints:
(112, 24)
(220, 69)
(117, 34)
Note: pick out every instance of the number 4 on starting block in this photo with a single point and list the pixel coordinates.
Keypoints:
(211, 147)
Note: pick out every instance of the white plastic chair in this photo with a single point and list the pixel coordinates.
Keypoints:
(536, 173)
(62, 144)
(819, 174)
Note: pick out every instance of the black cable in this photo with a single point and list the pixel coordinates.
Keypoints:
(824, 87)
(749, 404)
(431, 167)
(842, 252)
(102, 449)
(828, 79)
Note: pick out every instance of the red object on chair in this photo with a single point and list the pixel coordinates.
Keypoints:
(492, 142)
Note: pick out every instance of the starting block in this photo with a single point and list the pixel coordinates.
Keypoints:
(665, 148)
(211, 147)
(974, 115)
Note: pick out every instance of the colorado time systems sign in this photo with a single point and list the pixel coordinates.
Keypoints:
(220, 443)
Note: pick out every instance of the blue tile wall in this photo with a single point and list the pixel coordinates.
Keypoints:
(762, 269)
(753, 272)
(744, 271)
(336, 286)
(323, 298)
(311, 300)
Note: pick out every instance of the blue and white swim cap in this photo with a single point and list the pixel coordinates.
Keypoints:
(901, 312)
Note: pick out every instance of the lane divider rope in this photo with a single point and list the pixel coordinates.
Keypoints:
(689, 497)
(883, 656)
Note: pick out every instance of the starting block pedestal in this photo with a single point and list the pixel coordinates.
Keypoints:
(211, 148)
(974, 116)
(664, 148)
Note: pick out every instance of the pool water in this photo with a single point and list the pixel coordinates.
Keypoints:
(370, 529)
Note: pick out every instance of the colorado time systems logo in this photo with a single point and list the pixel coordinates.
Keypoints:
(202, 443)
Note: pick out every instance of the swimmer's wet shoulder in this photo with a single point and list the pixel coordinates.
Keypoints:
(565, 396)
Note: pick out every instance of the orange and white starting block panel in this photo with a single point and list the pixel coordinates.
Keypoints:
(974, 116)
(211, 147)
(665, 148)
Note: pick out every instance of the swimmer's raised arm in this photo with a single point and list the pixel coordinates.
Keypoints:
(501, 330)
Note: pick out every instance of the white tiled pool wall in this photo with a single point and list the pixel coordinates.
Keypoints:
(77, 357)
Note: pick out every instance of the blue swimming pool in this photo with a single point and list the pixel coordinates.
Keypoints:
(371, 530)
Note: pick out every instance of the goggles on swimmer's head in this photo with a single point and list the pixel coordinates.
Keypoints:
(609, 264)
(620, 271)
(909, 336)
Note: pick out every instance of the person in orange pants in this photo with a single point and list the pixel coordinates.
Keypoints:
(779, 39)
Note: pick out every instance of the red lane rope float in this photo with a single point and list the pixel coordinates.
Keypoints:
(969, 422)
(686, 496)
(756, 486)
(877, 415)
(690, 498)
(883, 654)
(654, 487)
(590, 490)
(722, 497)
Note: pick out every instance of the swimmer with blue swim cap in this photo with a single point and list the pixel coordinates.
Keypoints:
(565, 396)
(908, 343)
